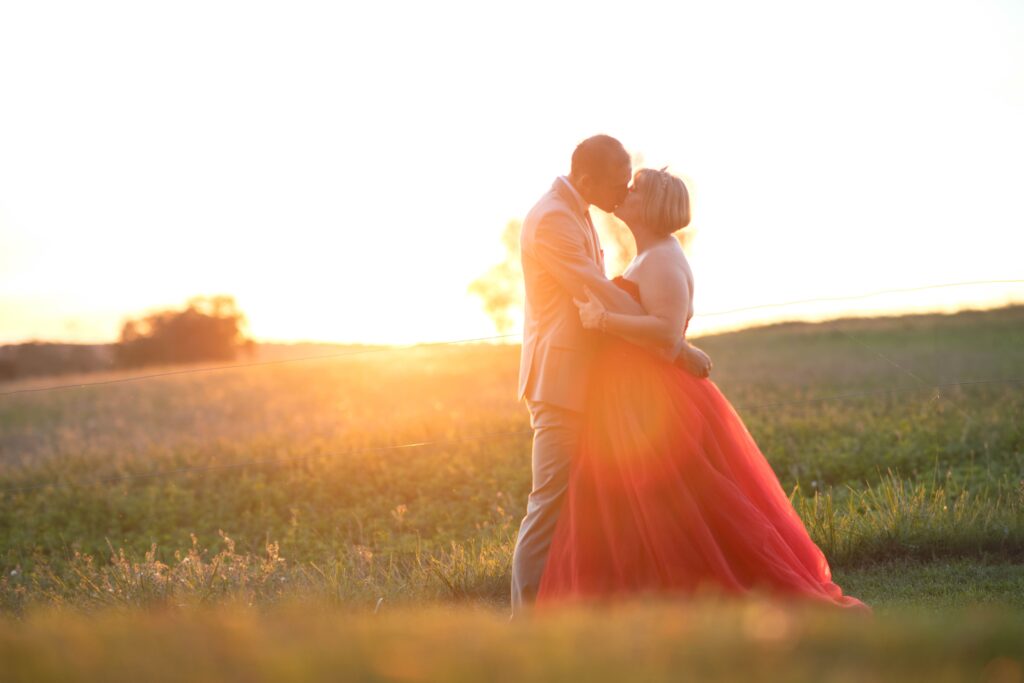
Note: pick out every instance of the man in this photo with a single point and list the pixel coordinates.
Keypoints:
(561, 257)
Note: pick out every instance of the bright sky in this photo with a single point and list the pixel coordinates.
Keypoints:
(345, 170)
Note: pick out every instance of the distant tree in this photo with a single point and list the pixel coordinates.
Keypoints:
(210, 328)
(617, 242)
(501, 288)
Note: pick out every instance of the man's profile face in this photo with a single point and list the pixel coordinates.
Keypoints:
(610, 189)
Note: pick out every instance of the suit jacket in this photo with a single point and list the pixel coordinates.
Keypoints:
(560, 254)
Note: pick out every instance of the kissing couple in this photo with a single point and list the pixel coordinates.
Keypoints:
(645, 479)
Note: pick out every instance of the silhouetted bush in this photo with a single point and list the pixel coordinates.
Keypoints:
(210, 328)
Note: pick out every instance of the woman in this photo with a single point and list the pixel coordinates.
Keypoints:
(669, 493)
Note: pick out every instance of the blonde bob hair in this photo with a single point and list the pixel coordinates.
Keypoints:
(666, 202)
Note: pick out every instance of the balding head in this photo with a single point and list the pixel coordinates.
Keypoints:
(601, 170)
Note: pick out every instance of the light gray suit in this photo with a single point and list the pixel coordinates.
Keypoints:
(560, 254)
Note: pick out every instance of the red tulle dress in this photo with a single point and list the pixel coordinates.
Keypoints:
(669, 494)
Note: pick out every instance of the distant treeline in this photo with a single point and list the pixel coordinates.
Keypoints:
(208, 329)
(45, 358)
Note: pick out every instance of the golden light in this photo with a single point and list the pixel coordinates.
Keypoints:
(346, 173)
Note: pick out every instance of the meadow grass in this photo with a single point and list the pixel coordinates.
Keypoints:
(269, 485)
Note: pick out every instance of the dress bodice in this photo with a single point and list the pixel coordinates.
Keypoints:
(630, 287)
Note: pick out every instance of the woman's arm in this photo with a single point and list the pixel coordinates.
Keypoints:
(665, 294)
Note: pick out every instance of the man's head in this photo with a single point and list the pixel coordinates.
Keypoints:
(601, 170)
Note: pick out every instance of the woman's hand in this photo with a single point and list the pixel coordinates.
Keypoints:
(593, 314)
(697, 362)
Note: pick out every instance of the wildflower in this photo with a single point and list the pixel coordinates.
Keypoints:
(399, 513)
(364, 553)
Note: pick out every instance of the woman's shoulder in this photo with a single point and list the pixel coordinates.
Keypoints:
(667, 255)
(664, 271)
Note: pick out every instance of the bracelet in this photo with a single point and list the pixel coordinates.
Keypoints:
(602, 322)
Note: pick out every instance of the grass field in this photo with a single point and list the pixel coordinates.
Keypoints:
(141, 519)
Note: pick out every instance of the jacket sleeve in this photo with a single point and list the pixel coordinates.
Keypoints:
(560, 247)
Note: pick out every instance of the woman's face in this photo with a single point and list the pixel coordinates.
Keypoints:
(631, 208)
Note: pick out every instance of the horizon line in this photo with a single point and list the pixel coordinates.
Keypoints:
(724, 329)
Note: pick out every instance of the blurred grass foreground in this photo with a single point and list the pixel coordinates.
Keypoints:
(705, 640)
(260, 523)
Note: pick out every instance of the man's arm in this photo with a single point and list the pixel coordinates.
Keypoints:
(560, 247)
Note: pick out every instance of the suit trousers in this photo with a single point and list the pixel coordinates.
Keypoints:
(556, 435)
